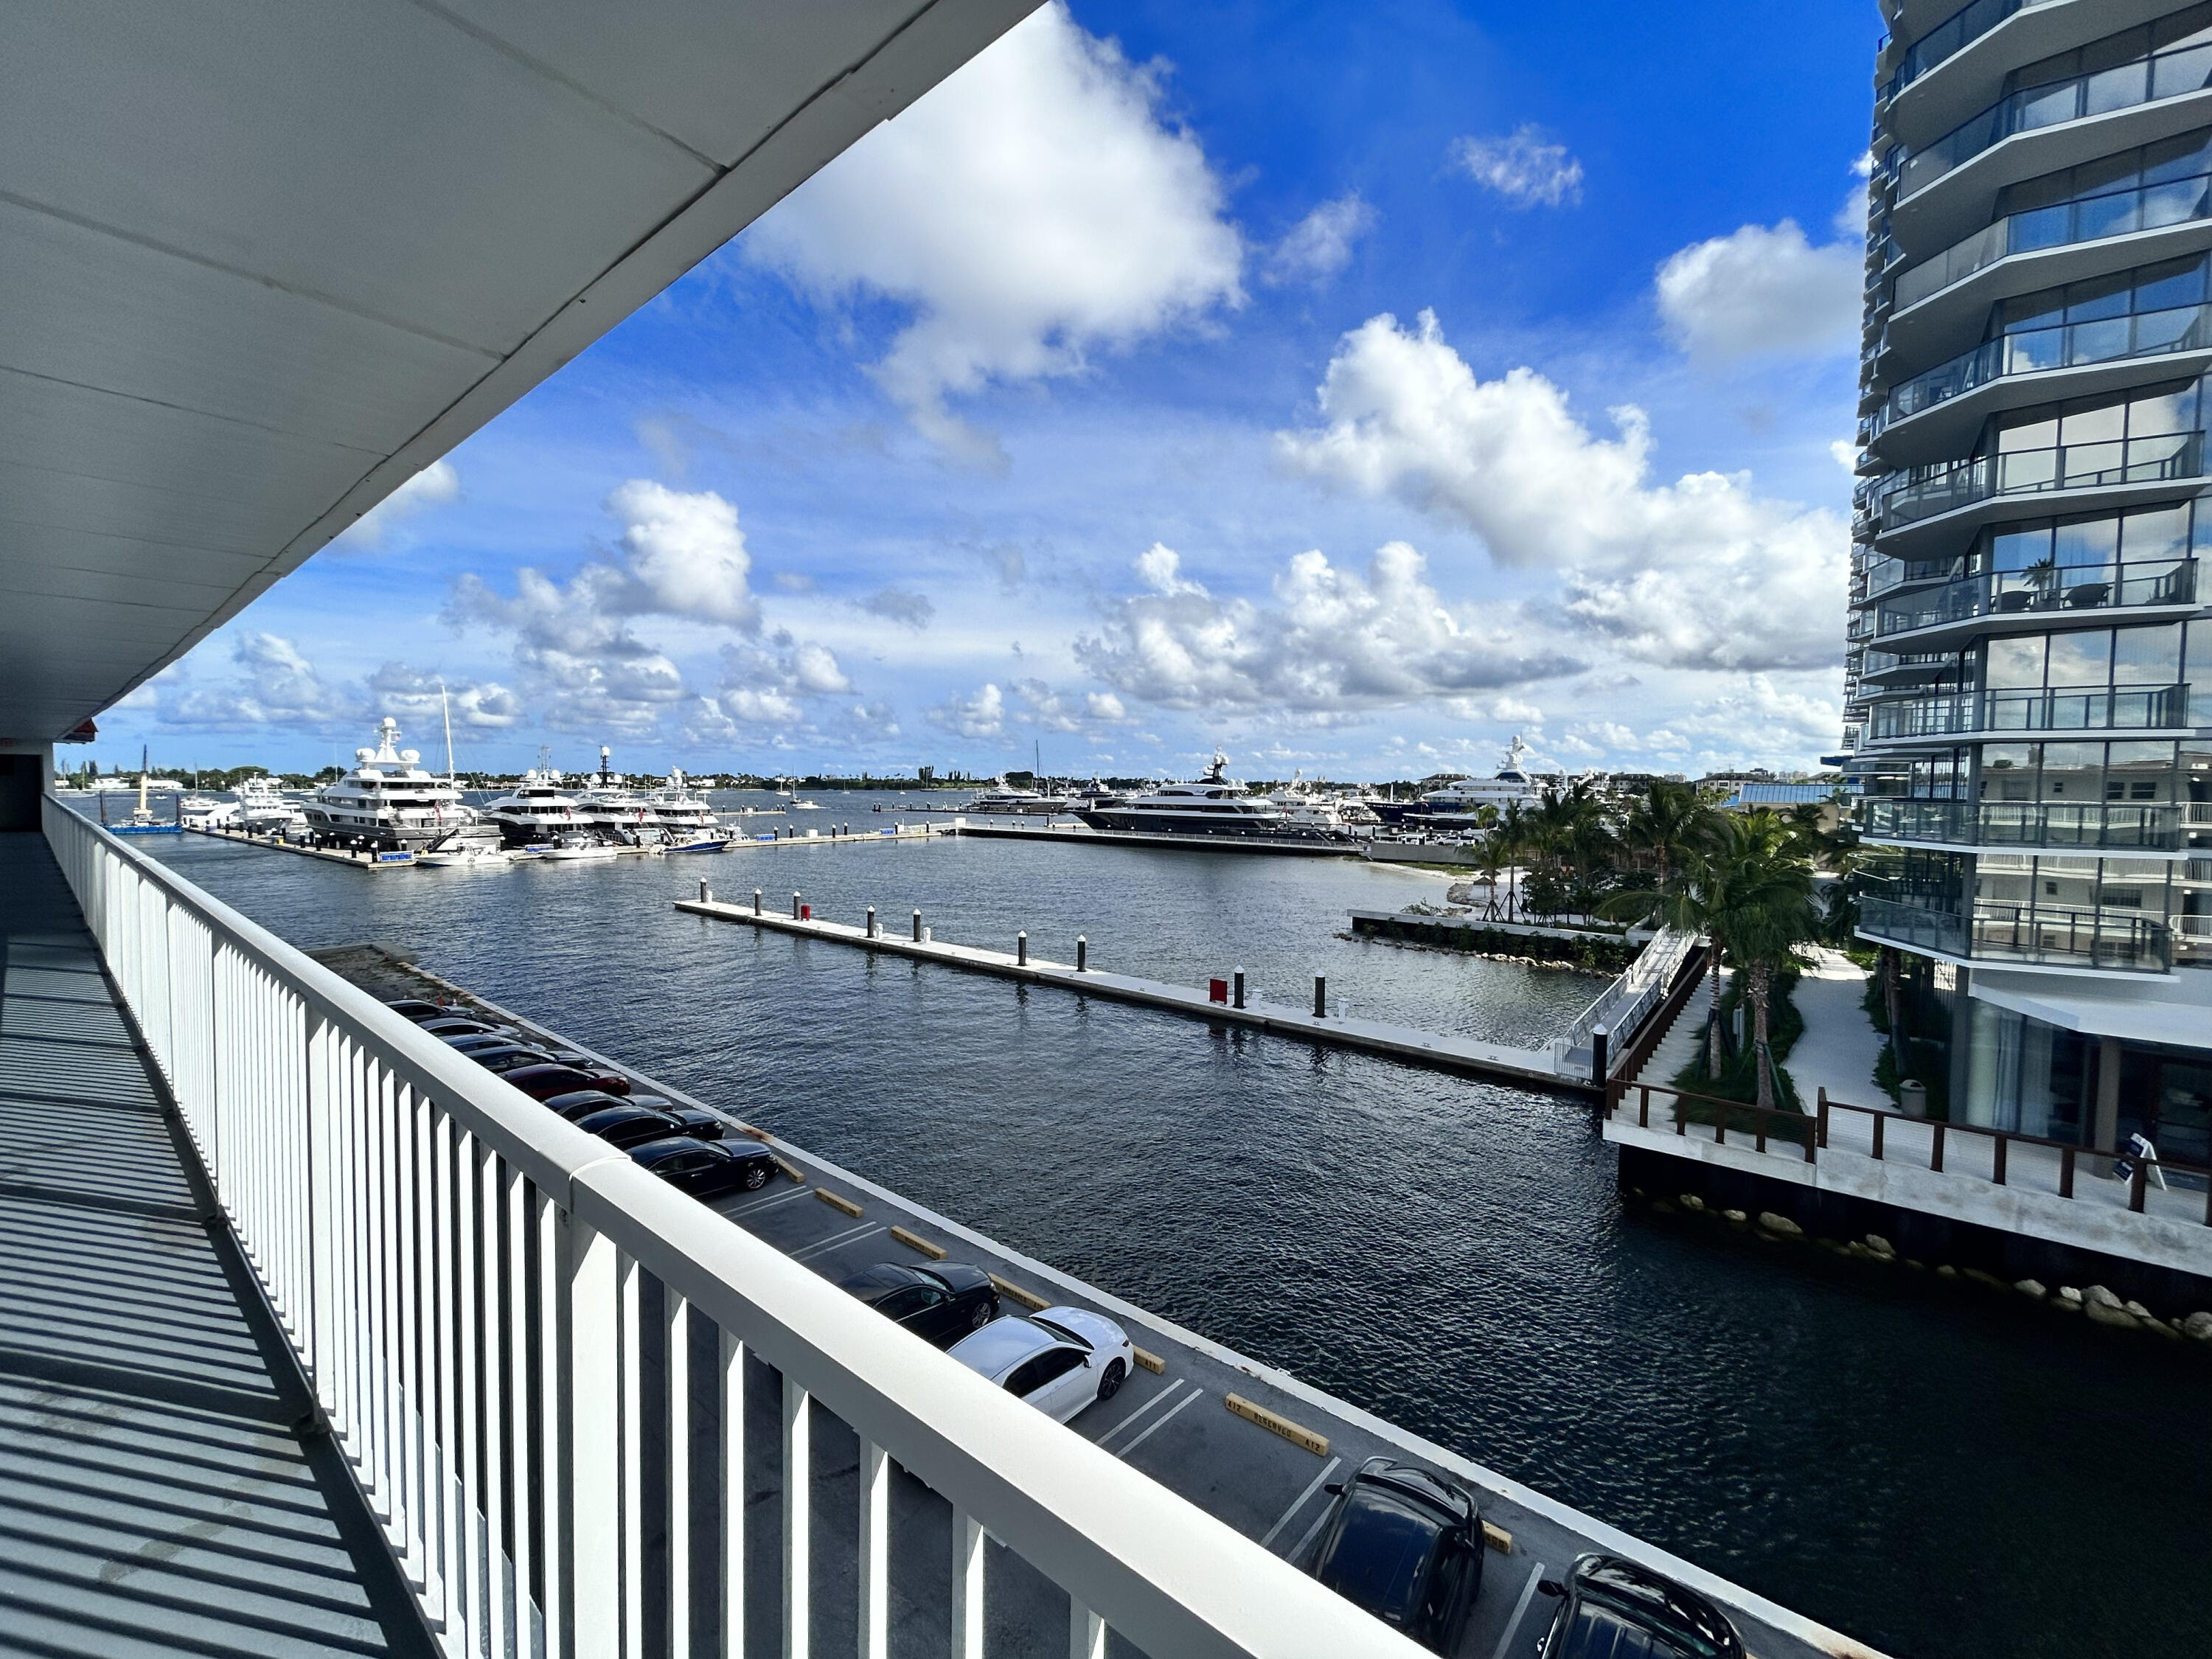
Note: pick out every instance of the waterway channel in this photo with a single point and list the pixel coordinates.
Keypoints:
(1932, 1467)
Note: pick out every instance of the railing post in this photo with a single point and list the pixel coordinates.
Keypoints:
(1880, 1120)
(2066, 1173)
(733, 1482)
(1935, 1152)
(798, 1520)
(1997, 1161)
(592, 1496)
(874, 1571)
(1821, 1127)
(967, 1586)
(1643, 1106)
(1762, 1117)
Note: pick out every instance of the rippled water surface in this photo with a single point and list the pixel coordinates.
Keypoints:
(1932, 1468)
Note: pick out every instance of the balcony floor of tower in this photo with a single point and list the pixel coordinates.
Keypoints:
(155, 1494)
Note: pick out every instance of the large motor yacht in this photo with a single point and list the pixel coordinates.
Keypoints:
(541, 809)
(1212, 806)
(1001, 797)
(1460, 798)
(387, 801)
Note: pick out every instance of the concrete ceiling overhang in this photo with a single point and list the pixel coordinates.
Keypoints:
(261, 264)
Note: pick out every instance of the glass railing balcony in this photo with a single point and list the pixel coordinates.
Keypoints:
(2043, 588)
(2037, 350)
(2006, 932)
(1921, 492)
(2142, 81)
(1961, 29)
(2049, 709)
(2092, 219)
(2157, 827)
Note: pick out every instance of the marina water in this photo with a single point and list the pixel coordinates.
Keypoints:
(1933, 1467)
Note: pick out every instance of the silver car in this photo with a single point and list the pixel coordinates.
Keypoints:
(1059, 1360)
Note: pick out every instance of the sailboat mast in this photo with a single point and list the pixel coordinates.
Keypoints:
(445, 707)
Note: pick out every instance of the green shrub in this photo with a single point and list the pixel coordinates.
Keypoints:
(1739, 1077)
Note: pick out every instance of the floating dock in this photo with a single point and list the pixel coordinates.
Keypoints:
(1083, 834)
(358, 860)
(1452, 1054)
(1251, 1444)
(841, 836)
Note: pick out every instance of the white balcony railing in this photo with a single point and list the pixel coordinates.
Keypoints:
(460, 1273)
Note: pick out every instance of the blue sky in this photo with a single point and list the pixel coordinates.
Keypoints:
(1349, 386)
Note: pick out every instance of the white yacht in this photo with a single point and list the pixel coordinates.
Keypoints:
(387, 801)
(541, 809)
(687, 820)
(1460, 799)
(1210, 805)
(1001, 797)
(1315, 807)
(265, 809)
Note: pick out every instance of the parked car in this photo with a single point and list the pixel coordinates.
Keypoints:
(415, 1009)
(451, 1025)
(505, 1056)
(478, 1043)
(625, 1125)
(542, 1082)
(1060, 1360)
(708, 1169)
(940, 1303)
(1610, 1608)
(1405, 1544)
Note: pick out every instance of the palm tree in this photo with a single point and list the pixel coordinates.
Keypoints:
(1668, 825)
(1761, 882)
(1490, 859)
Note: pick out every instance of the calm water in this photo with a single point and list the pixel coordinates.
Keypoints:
(1931, 1468)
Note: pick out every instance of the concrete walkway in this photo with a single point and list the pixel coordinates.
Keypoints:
(1838, 1047)
(156, 1497)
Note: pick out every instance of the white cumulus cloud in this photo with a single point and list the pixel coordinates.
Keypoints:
(1033, 207)
(273, 683)
(1524, 167)
(413, 696)
(1334, 642)
(1320, 245)
(1701, 571)
(983, 715)
(434, 486)
(686, 555)
(1761, 292)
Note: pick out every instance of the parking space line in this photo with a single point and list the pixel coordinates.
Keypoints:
(850, 1236)
(1299, 1502)
(1306, 1536)
(1161, 1421)
(756, 1207)
(1154, 1403)
(1520, 1611)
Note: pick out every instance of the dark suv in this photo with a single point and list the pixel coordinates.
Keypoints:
(1405, 1544)
(1610, 1608)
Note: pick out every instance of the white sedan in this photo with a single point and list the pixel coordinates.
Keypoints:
(1059, 1360)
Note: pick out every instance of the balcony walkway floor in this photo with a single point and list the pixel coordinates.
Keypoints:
(154, 1496)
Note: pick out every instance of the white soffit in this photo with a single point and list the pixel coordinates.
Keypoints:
(260, 263)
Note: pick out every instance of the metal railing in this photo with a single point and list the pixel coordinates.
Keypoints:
(2052, 708)
(2040, 351)
(1623, 1006)
(2156, 827)
(1966, 1150)
(2060, 935)
(1923, 492)
(2086, 219)
(2044, 588)
(2145, 79)
(1955, 33)
(461, 1275)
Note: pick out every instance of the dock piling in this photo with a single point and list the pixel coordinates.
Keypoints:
(794, 907)
(1321, 996)
(1022, 949)
(917, 928)
(1082, 954)
(873, 932)
(1598, 1055)
(706, 893)
(1236, 988)
(757, 900)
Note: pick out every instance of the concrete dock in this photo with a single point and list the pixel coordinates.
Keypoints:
(1083, 833)
(1447, 1052)
(1260, 1463)
(358, 860)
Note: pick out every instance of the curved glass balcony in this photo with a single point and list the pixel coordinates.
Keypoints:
(2035, 351)
(2161, 827)
(1948, 38)
(2019, 933)
(2092, 219)
(2047, 709)
(1923, 492)
(2148, 79)
(2041, 589)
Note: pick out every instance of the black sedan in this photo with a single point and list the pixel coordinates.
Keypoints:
(708, 1169)
(451, 1025)
(544, 1081)
(505, 1056)
(940, 1303)
(625, 1125)
(1405, 1544)
(1610, 1608)
(415, 1009)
